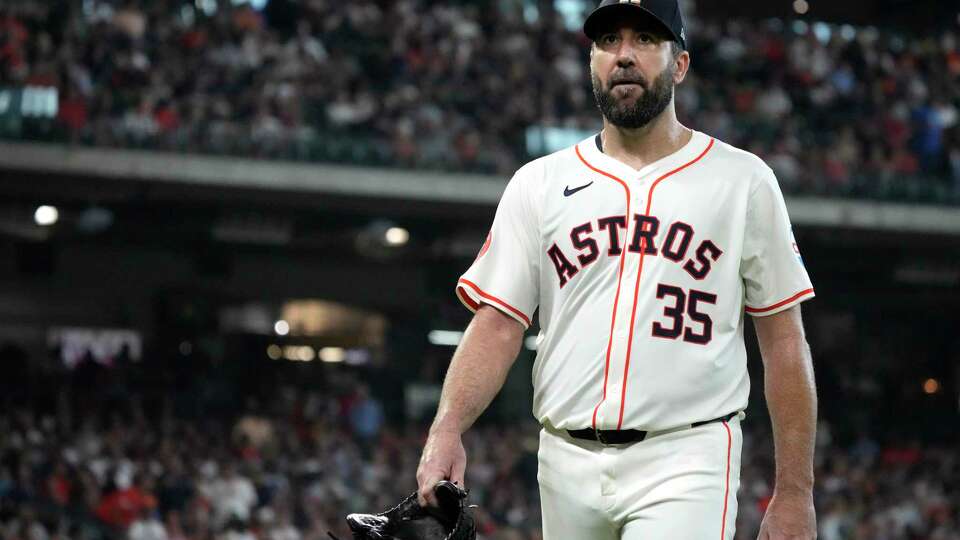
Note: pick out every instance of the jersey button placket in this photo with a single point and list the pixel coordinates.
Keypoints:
(625, 308)
(610, 410)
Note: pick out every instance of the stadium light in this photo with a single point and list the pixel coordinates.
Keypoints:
(274, 352)
(381, 239)
(46, 215)
(332, 354)
(298, 353)
(281, 327)
(801, 7)
(397, 236)
(931, 386)
(306, 354)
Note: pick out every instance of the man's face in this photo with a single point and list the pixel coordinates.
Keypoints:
(634, 70)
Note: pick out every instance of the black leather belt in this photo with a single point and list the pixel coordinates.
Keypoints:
(625, 436)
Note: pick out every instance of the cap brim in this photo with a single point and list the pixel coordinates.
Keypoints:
(604, 17)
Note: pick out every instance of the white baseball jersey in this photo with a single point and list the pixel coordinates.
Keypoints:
(641, 278)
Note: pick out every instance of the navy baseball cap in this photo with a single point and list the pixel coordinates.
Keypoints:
(663, 13)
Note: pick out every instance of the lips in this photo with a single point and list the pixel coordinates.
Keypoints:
(629, 87)
(623, 82)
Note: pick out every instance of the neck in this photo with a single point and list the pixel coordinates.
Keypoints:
(639, 147)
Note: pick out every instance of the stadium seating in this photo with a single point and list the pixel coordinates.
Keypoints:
(836, 110)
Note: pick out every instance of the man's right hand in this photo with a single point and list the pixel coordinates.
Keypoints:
(443, 459)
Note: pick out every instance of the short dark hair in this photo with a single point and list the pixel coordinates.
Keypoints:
(675, 49)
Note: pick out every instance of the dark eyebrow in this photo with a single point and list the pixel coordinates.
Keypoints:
(655, 32)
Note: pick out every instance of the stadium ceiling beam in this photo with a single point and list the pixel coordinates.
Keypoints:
(230, 173)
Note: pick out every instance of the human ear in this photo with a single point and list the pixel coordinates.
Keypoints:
(681, 67)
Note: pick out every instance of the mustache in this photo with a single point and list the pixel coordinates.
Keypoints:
(628, 78)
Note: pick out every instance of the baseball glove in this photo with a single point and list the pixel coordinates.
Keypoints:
(452, 520)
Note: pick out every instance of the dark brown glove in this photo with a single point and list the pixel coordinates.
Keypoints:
(452, 520)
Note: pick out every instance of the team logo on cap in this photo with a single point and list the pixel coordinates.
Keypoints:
(637, 2)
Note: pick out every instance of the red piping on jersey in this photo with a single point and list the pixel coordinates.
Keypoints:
(778, 304)
(636, 287)
(476, 305)
(616, 299)
(726, 492)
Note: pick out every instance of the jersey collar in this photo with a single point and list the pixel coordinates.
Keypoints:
(590, 151)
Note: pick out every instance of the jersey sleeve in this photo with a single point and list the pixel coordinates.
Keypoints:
(772, 269)
(506, 272)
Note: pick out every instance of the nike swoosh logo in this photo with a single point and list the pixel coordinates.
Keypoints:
(568, 192)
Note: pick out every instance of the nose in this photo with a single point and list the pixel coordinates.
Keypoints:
(626, 55)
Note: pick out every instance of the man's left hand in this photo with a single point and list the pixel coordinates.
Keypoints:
(789, 517)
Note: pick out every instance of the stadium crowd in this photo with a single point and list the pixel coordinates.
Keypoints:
(116, 460)
(415, 83)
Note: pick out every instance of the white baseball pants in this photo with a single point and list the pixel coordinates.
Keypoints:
(674, 485)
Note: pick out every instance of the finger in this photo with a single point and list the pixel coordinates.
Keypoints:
(457, 474)
(425, 498)
(425, 494)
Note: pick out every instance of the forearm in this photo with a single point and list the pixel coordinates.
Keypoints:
(792, 400)
(478, 369)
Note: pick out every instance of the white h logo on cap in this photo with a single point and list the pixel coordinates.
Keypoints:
(637, 2)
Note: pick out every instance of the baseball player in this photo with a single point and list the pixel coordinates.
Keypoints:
(642, 248)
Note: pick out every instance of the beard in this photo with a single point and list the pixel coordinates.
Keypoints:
(645, 108)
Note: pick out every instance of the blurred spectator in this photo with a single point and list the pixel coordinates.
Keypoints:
(59, 485)
(195, 484)
(174, 527)
(457, 86)
(366, 415)
(231, 495)
(72, 113)
(279, 526)
(25, 526)
(147, 527)
(125, 504)
(253, 433)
